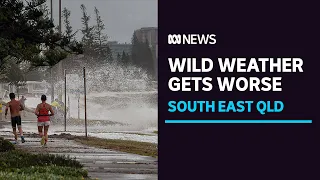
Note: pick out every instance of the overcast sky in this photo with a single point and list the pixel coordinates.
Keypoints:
(121, 17)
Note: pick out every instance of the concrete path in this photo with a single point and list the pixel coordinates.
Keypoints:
(101, 163)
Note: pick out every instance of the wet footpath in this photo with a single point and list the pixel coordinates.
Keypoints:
(100, 163)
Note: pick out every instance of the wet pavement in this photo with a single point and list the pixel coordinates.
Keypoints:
(100, 163)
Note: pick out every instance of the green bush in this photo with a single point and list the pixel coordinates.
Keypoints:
(19, 159)
(5, 145)
(16, 165)
(35, 176)
(57, 170)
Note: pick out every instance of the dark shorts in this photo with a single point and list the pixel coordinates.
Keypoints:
(16, 121)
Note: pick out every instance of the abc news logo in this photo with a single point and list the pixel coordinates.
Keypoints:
(192, 39)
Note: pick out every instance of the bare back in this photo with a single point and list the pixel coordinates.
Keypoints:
(42, 111)
(15, 108)
(46, 105)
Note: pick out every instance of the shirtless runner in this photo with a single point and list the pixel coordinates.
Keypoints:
(42, 111)
(15, 108)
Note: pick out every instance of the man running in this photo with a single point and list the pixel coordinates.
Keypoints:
(15, 108)
(42, 111)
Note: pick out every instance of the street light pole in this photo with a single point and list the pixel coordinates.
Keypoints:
(60, 17)
(51, 10)
(52, 86)
(60, 33)
(85, 100)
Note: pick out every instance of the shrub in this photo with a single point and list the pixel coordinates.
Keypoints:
(19, 159)
(16, 164)
(36, 176)
(5, 145)
(57, 170)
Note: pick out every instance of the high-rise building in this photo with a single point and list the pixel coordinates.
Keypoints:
(149, 34)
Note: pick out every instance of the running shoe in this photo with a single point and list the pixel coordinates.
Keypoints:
(22, 139)
(42, 140)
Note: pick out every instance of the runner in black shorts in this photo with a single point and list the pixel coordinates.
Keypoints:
(15, 108)
(16, 121)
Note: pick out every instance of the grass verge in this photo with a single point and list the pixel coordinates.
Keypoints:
(156, 132)
(140, 134)
(134, 147)
(16, 164)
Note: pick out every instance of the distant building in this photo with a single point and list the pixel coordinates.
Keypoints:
(150, 34)
(31, 88)
(119, 48)
(37, 87)
(156, 61)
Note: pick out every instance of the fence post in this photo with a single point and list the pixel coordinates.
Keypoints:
(79, 107)
(85, 100)
(65, 100)
(0, 109)
(69, 105)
